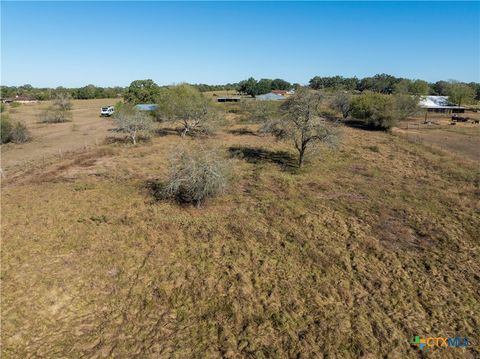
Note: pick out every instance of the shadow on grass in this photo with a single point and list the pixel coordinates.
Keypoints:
(261, 155)
(362, 126)
(243, 132)
(156, 189)
(125, 140)
(166, 131)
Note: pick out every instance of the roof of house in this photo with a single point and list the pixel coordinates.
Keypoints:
(18, 98)
(436, 102)
(280, 92)
(269, 97)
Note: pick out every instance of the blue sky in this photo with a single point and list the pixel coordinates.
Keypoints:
(113, 43)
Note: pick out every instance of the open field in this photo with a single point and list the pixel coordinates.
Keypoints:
(368, 246)
(86, 128)
(462, 139)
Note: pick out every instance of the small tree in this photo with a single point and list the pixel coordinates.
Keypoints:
(187, 105)
(301, 124)
(342, 102)
(133, 122)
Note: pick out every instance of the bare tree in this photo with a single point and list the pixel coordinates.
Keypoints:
(195, 174)
(187, 105)
(133, 122)
(302, 125)
(62, 102)
(342, 102)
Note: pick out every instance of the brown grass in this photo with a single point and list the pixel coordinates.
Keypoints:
(350, 257)
(86, 129)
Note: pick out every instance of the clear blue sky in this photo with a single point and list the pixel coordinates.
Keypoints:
(112, 43)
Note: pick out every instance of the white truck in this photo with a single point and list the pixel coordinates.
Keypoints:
(106, 111)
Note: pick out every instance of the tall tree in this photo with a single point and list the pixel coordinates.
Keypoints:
(459, 93)
(279, 84)
(248, 87)
(141, 91)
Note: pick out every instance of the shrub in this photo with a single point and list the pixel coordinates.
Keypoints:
(13, 132)
(59, 111)
(52, 115)
(20, 133)
(195, 175)
(5, 129)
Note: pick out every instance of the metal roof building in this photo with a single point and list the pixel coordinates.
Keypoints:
(146, 107)
(269, 97)
(439, 104)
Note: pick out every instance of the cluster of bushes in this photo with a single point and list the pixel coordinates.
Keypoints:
(375, 110)
(59, 111)
(382, 111)
(15, 132)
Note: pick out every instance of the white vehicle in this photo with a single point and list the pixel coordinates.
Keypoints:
(107, 111)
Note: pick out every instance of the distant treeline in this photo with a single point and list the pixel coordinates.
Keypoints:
(388, 84)
(381, 83)
(42, 94)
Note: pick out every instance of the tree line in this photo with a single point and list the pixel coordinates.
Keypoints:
(380, 83)
(388, 84)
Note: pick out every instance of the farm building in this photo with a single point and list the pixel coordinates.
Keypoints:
(146, 107)
(439, 104)
(280, 92)
(19, 99)
(228, 99)
(269, 97)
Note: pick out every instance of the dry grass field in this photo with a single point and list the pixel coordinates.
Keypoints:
(86, 128)
(461, 139)
(350, 257)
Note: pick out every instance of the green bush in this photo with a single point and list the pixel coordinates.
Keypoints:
(382, 111)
